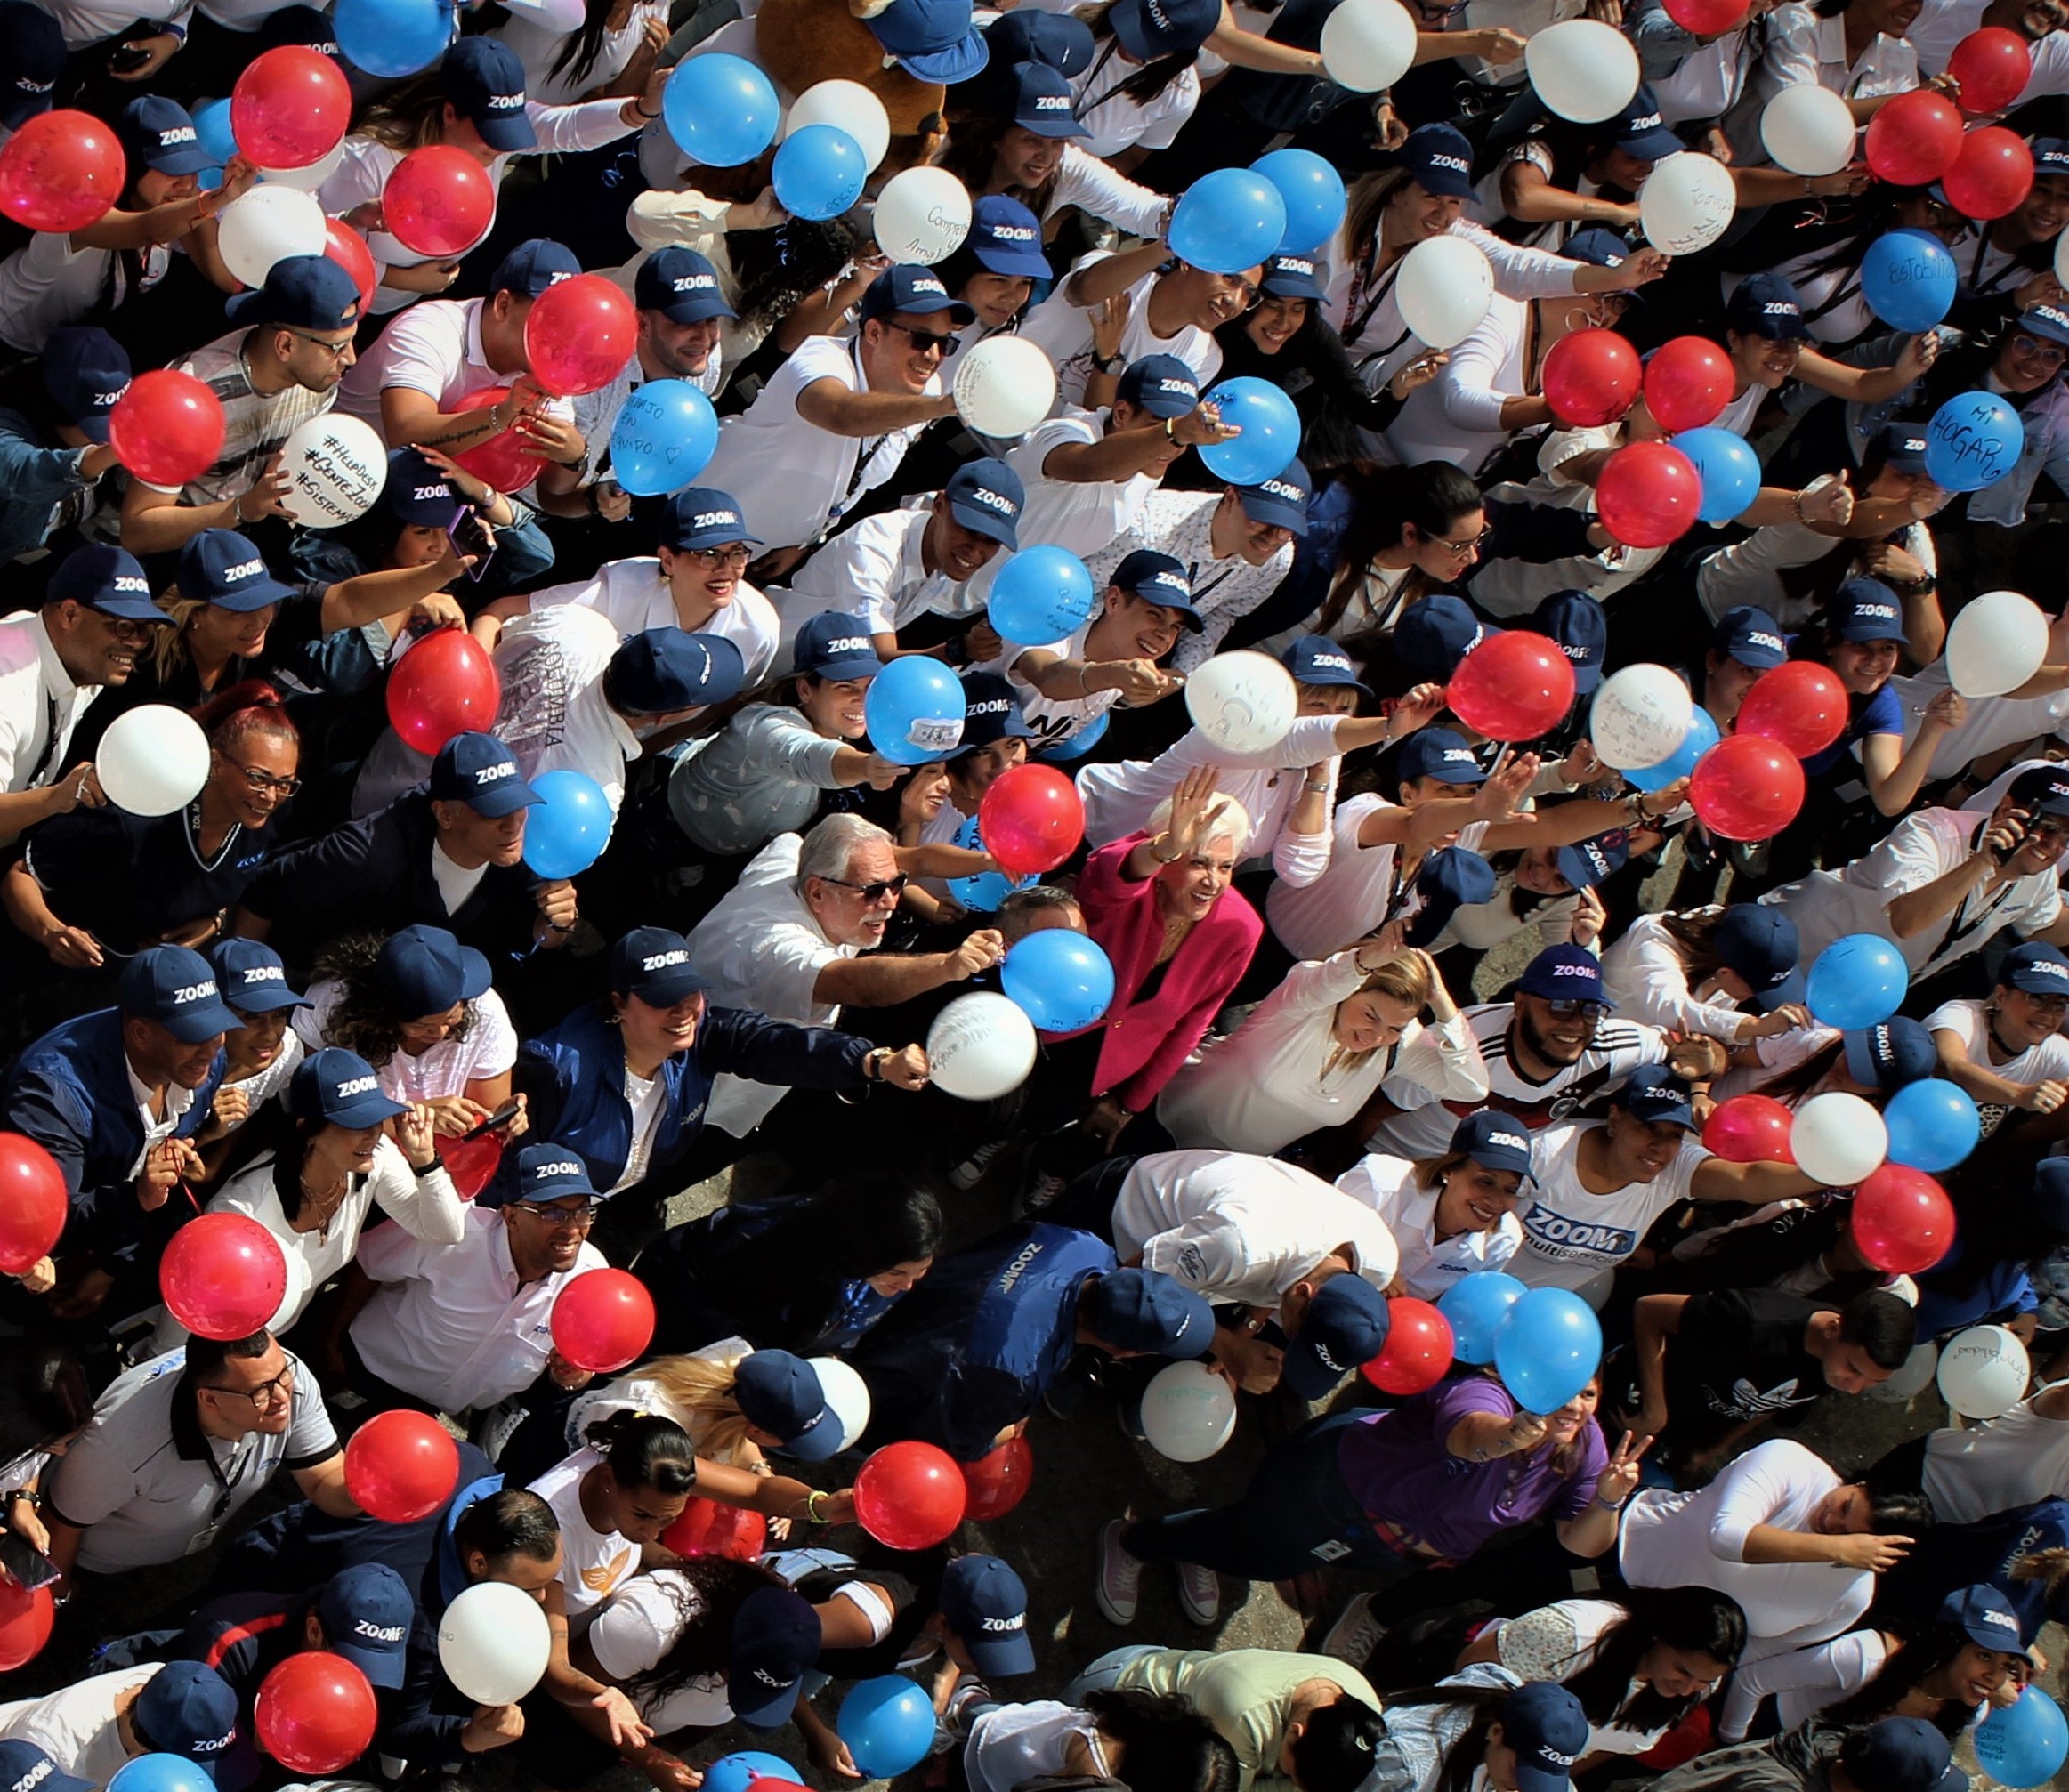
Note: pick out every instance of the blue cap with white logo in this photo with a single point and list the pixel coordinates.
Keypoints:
(1544, 1723)
(158, 133)
(84, 371)
(837, 646)
(107, 578)
(366, 1612)
(219, 565)
(484, 80)
(1439, 752)
(681, 285)
(1148, 1313)
(549, 1172)
(340, 1089)
(418, 494)
(423, 970)
(175, 987)
(703, 516)
(252, 978)
(1766, 305)
(986, 497)
(2037, 968)
(1042, 101)
(781, 1394)
(1451, 878)
(1316, 659)
(1294, 277)
(1007, 239)
(653, 964)
(1345, 1328)
(1983, 1616)
(1589, 862)
(535, 265)
(660, 670)
(1655, 1092)
(985, 1604)
(1637, 130)
(1891, 1056)
(1439, 160)
(776, 1638)
(1757, 942)
(1865, 610)
(1576, 621)
(991, 713)
(1160, 384)
(1750, 636)
(1435, 633)
(26, 1768)
(1160, 580)
(32, 52)
(1563, 974)
(914, 290)
(1062, 40)
(1495, 1141)
(1150, 28)
(187, 1708)
(480, 771)
(1279, 501)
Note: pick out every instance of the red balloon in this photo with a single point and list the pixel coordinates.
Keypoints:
(1514, 686)
(26, 1619)
(62, 171)
(505, 460)
(1648, 494)
(443, 686)
(33, 1204)
(1901, 1221)
(1030, 819)
(1687, 382)
(1802, 705)
(1747, 787)
(348, 248)
(290, 107)
(998, 1482)
(438, 201)
(579, 334)
(1748, 1129)
(1993, 174)
(315, 1712)
(1991, 67)
(471, 1163)
(603, 1320)
(1591, 378)
(910, 1495)
(223, 1275)
(1914, 140)
(1418, 1352)
(1707, 18)
(706, 1527)
(166, 429)
(401, 1466)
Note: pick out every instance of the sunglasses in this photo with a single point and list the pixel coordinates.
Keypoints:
(875, 891)
(1588, 1011)
(923, 340)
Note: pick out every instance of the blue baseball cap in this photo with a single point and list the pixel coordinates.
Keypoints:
(485, 81)
(1599, 247)
(107, 578)
(1160, 580)
(158, 133)
(175, 988)
(1637, 130)
(662, 669)
(1441, 754)
(681, 285)
(1983, 1616)
(1589, 862)
(480, 771)
(1007, 239)
(1903, 445)
(653, 964)
(1451, 878)
(1759, 942)
(1544, 1723)
(1147, 1313)
(219, 565)
(703, 516)
(1865, 610)
(1294, 276)
(303, 25)
(536, 264)
(549, 1172)
(32, 50)
(2051, 157)
(1891, 1056)
(2043, 789)
(1062, 40)
(2050, 323)
(1563, 974)
(424, 970)
(1042, 101)
(990, 711)
(1750, 636)
(1316, 659)
(84, 370)
(301, 293)
(366, 1612)
(781, 1394)
(1344, 1327)
(1495, 1141)
(1766, 305)
(933, 40)
(1901, 1755)
(419, 493)
(189, 1710)
(986, 496)
(985, 1604)
(1282, 500)
(2037, 968)
(1439, 159)
(1653, 1092)
(914, 290)
(23, 1766)
(776, 1638)
(1160, 384)
(251, 978)
(836, 645)
(1435, 633)
(1576, 622)
(1150, 28)
(340, 1089)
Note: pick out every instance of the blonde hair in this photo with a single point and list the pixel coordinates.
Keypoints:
(1370, 195)
(169, 650)
(1405, 980)
(697, 1391)
(1224, 818)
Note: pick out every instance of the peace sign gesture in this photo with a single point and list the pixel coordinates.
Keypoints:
(1618, 1479)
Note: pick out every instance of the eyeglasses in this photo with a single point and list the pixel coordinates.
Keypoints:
(875, 891)
(267, 1394)
(1460, 549)
(2032, 345)
(738, 554)
(1588, 1011)
(560, 1219)
(126, 630)
(337, 351)
(923, 340)
(1250, 295)
(266, 781)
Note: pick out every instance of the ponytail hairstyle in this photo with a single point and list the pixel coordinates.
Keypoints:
(1153, 76)
(1688, 1617)
(581, 48)
(511, 1521)
(644, 1450)
(248, 707)
(1337, 1749)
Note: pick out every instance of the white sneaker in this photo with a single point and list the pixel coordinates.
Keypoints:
(971, 1171)
(1199, 1593)
(1120, 1584)
(1355, 1633)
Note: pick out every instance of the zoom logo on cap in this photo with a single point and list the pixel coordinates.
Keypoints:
(713, 518)
(250, 569)
(693, 283)
(847, 643)
(926, 283)
(263, 973)
(502, 768)
(107, 401)
(1781, 308)
(991, 500)
(1759, 637)
(661, 961)
(504, 102)
(992, 706)
(1331, 661)
(1278, 488)
(2046, 967)
(430, 494)
(129, 581)
(1184, 388)
(178, 133)
(1052, 102)
(560, 1167)
(1166, 581)
(1509, 1141)
(1006, 1627)
(379, 1632)
(193, 992)
(1463, 756)
(1016, 233)
(357, 1085)
(1457, 164)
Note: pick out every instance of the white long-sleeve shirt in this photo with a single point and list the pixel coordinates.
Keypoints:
(1645, 979)
(1803, 1682)
(1457, 417)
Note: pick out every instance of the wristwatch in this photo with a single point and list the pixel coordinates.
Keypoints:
(1109, 364)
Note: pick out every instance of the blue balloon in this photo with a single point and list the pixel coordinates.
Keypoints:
(1857, 982)
(721, 109)
(1933, 1124)
(983, 893)
(915, 709)
(1680, 763)
(818, 172)
(393, 39)
(1729, 467)
(565, 832)
(1313, 193)
(1908, 279)
(888, 1725)
(1075, 747)
(664, 433)
(161, 1774)
(1228, 222)
(1270, 432)
(1041, 594)
(1548, 1349)
(1475, 1305)
(212, 130)
(736, 1773)
(1974, 441)
(2021, 1744)
(1063, 981)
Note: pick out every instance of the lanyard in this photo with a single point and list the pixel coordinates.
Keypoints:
(39, 773)
(1354, 319)
(1959, 930)
(1086, 106)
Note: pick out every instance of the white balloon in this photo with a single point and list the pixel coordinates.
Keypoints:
(1244, 702)
(152, 760)
(307, 179)
(1996, 643)
(1188, 1412)
(1640, 716)
(267, 225)
(1838, 1140)
(922, 215)
(1444, 288)
(980, 1046)
(1582, 69)
(849, 105)
(1809, 130)
(846, 1393)
(1686, 203)
(1006, 385)
(338, 467)
(1913, 1376)
(1367, 45)
(1984, 1371)
(494, 1643)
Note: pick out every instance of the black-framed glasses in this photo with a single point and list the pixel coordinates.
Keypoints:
(266, 781)
(267, 1394)
(335, 351)
(923, 340)
(562, 1219)
(737, 553)
(1588, 1011)
(876, 890)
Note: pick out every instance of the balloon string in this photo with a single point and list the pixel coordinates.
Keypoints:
(192, 1202)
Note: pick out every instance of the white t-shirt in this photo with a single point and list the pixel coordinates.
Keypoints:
(1556, 1642)
(47, 284)
(446, 1068)
(1457, 417)
(1968, 1020)
(1990, 1468)
(1053, 719)
(1803, 1682)
(1572, 1235)
(1010, 1744)
(553, 714)
(1064, 331)
(435, 350)
(593, 1563)
(1118, 122)
(634, 596)
(1644, 976)
(632, 1633)
(538, 45)
(874, 571)
(1082, 516)
(76, 1725)
(1351, 897)
(1430, 1267)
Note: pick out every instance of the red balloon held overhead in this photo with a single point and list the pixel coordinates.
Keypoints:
(603, 1320)
(443, 686)
(223, 1275)
(1902, 1220)
(33, 1204)
(1914, 140)
(1688, 381)
(472, 1162)
(1993, 174)
(1709, 17)
(706, 1527)
(579, 334)
(1747, 787)
(1417, 1351)
(996, 1483)
(1991, 67)
(315, 1713)
(1030, 819)
(348, 248)
(1748, 1129)
(26, 1617)
(1513, 686)
(166, 429)
(62, 171)
(1591, 378)
(1648, 494)
(438, 201)
(401, 1466)
(910, 1495)
(1800, 703)
(290, 107)
(507, 461)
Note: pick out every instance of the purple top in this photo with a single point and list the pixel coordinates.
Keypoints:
(1396, 1467)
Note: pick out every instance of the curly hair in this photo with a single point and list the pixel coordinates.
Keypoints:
(363, 1021)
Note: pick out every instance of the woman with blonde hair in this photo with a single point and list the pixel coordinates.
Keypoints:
(734, 1401)
(1452, 1215)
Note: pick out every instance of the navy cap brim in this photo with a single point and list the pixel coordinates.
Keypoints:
(17, 111)
(696, 309)
(1302, 1369)
(369, 1109)
(1790, 988)
(823, 1440)
(714, 537)
(1652, 146)
(130, 609)
(180, 161)
(1011, 263)
(1269, 510)
(203, 1020)
(94, 428)
(384, 1667)
(505, 797)
(475, 975)
(1652, 1111)
(849, 665)
(981, 521)
(260, 594)
(506, 131)
(1189, 618)
(1586, 680)
(678, 985)
(1292, 287)
(267, 999)
(1340, 682)
(960, 314)
(959, 63)
(1000, 1657)
(1052, 124)
(772, 1714)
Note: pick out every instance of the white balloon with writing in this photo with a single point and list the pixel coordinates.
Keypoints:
(1984, 1371)
(1639, 717)
(494, 1643)
(153, 760)
(922, 216)
(980, 1046)
(1006, 385)
(337, 465)
(1188, 1412)
(1687, 203)
(266, 225)
(1582, 69)
(1996, 643)
(849, 106)
(1245, 701)
(1444, 289)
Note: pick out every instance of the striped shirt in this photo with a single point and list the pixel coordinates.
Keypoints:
(255, 423)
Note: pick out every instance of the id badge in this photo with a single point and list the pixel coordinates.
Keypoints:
(202, 1540)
